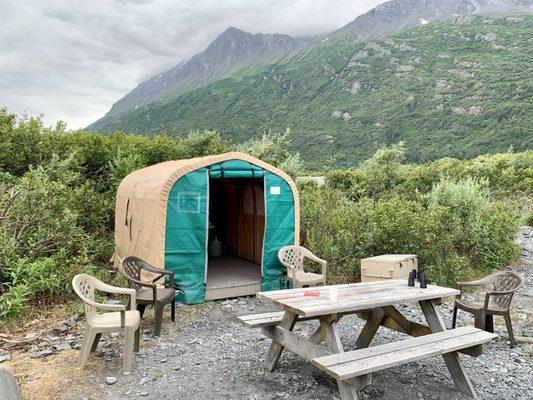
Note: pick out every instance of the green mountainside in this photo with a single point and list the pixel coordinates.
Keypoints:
(459, 87)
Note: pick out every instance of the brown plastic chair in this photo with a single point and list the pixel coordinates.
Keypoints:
(121, 320)
(497, 301)
(149, 293)
(292, 257)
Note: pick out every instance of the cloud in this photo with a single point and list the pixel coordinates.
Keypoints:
(72, 60)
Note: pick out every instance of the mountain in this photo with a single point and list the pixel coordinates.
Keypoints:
(399, 15)
(460, 87)
(235, 50)
(232, 50)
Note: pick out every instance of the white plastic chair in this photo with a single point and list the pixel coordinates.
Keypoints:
(292, 257)
(119, 320)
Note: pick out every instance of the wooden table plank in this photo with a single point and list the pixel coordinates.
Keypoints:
(353, 297)
(288, 293)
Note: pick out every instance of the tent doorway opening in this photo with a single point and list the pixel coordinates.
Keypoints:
(236, 234)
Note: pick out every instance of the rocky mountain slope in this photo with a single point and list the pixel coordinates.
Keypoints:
(235, 49)
(398, 15)
(232, 50)
(460, 87)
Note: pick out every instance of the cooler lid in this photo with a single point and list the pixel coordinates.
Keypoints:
(390, 258)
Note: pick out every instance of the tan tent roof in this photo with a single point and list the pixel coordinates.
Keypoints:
(141, 204)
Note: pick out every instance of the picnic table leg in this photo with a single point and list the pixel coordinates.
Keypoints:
(319, 335)
(452, 360)
(348, 391)
(371, 327)
(274, 353)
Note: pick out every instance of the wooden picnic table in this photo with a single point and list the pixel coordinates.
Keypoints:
(373, 301)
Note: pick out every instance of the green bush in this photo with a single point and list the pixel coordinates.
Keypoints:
(57, 200)
(273, 148)
(456, 232)
(44, 234)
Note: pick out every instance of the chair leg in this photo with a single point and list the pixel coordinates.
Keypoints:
(173, 310)
(129, 344)
(454, 319)
(95, 342)
(479, 320)
(137, 339)
(158, 316)
(509, 325)
(489, 323)
(141, 308)
(88, 340)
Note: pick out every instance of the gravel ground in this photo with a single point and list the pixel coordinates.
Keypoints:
(206, 354)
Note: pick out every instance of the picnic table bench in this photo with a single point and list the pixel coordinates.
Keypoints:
(375, 302)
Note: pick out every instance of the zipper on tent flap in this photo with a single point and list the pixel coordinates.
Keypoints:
(265, 224)
(207, 176)
(254, 235)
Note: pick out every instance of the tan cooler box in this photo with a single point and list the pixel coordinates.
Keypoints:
(388, 266)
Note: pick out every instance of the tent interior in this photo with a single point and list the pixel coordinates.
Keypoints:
(236, 232)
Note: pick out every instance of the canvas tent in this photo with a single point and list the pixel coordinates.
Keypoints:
(216, 221)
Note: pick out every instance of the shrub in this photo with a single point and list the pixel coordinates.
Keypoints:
(43, 238)
(57, 198)
(457, 232)
(273, 148)
(506, 175)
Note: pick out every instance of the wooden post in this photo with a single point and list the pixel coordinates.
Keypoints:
(452, 360)
(274, 353)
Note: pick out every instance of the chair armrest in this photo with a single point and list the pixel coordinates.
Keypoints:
(461, 285)
(114, 307)
(501, 292)
(314, 258)
(164, 272)
(140, 283)
(103, 306)
(104, 287)
(479, 282)
(161, 272)
(323, 263)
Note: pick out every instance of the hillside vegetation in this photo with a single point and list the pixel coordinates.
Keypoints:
(459, 88)
(57, 191)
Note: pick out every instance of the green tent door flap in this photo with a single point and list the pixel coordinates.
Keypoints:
(279, 229)
(187, 220)
(186, 234)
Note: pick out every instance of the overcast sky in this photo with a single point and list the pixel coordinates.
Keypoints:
(71, 60)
